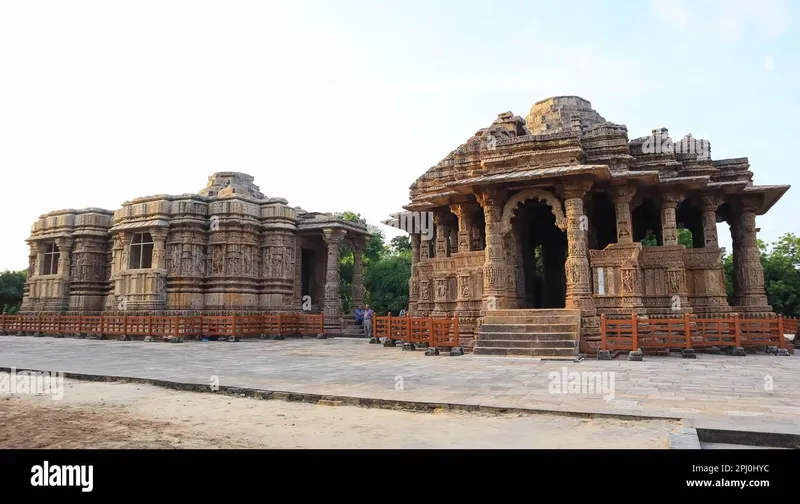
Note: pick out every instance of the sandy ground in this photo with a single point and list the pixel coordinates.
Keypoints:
(124, 415)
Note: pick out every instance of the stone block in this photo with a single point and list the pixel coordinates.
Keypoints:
(150, 339)
(603, 355)
(636, 355)
(389, 343)
(456, 351)
(322, 336)
(714, 350)
(38, 334)
(175, 339)
(431, 352)
(233, 339)
(772, 350)
(409, 347)
(97, 336)
(782, 352)
(278, 337)
(738, 352)
(123, 338)
(688, 353)
(374, 341)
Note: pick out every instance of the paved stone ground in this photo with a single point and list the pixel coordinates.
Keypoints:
(756, 391)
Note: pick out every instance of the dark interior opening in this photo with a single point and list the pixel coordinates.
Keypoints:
(544, 254)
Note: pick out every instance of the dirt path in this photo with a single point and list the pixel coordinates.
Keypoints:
(123, 415)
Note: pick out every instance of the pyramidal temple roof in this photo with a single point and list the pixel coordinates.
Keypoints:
(226, 183)
(556, 114)
(564, 136)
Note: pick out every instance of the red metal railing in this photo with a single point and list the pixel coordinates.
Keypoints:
(690, 332)
(158, 326)
(436, 332)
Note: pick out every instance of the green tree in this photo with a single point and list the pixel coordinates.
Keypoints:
(399, 244)
(374, 250)
(387, 283)
(12, 285)
(781, 263)
(685, 238)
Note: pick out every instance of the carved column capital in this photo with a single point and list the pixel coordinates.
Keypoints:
(333, 236)
(624, 194)
(64, 243)
(574, 189)
(671, 199)
(493, 196)
(710, 202)
(159, 234)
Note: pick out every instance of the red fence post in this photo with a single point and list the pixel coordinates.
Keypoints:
(687, 327)
(780, 331)
(635, 331)
(736, 335)
(455, 331)
(431, 341)
(603, 340)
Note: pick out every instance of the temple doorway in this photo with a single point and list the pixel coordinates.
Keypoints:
(543, 251)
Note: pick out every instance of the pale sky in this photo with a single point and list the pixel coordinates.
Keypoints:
(341, 105)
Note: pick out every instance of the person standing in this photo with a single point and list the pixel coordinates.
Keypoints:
(368, 316)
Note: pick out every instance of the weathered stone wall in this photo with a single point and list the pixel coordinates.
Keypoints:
(227, 249)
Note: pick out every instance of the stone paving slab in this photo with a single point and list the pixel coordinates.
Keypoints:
(725, 390)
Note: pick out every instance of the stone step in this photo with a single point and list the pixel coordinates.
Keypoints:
(499, 343)
(530, 328)
(529, 313)
(511, 336)
(544, 353)
(525, 320)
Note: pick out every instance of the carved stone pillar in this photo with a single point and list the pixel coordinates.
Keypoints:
(579, 292)
(424, 249)
(159, 248)
(442, 233)
(579, 289)
(622, 202)
(333, 301)
(496, 270)
(748, 282)
(710, 205)
(464, 213)
(64, 250)
(358, 274)
(123, 250)
(413, 283)
(669, 201)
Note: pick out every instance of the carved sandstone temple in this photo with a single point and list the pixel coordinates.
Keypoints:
(538, 226)
(227, 249)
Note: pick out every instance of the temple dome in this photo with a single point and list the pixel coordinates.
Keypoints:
(229, 183)
(555, 115)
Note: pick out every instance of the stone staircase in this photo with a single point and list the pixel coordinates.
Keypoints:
(547, 334)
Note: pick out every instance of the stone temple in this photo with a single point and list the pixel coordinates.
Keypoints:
(225, 250)
(537, 228)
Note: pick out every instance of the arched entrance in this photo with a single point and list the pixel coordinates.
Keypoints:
(535, 223)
